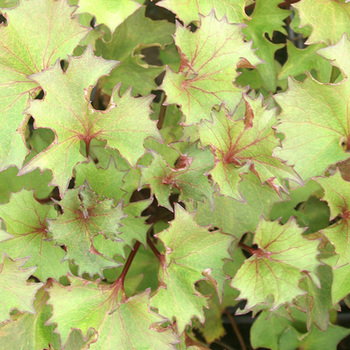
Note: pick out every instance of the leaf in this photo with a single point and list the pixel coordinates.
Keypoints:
(189, 10)
(192, 254)
(341, 283)
(85, 305)
(83, 218)
(234, 217)
(266, 18)
(21, 294)
(337, 194)
(117, 126)
(276, 266)
(188, 175)
(239, 147)
(30, 329)
(25, 220)
(206, 75)
(315, 120)
(22, 54)
(328, 11)
(111, 13)
(126, 45)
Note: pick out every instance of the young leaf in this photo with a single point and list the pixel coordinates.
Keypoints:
(243, 144)
(276, 266)
(21, 294)
(85, 217)
(206, 75)
(25, 220)
(23, 54)
(192, 254)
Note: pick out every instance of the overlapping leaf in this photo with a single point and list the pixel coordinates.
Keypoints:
(25, 220)
(67, 111)
(126, 45)
(243, 144)
(192, 254)
(315, 119)
(189, 10)
(85, 217)
(22, 54)
(120, 324)
(275, 268)
(21, 294)
(111, 13)
(208, 68)
(319, 15)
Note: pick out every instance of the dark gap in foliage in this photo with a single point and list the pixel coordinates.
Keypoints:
(157, 95)
(71, 183)
(99, 101)
(159, 78)
(151, 56)
(31, 125)
(158, 13)
(281, 55)
(3, 19)
(64, 65)
(193, 27)
(93, 22)
(140, 195)
(34, 279)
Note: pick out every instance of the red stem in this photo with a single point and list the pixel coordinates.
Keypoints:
(160, 256)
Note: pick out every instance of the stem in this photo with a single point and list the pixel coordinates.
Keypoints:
(155, 251)
(236, 330)
(162, 112)
(248, 249)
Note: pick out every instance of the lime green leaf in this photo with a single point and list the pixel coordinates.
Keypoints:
(111, 13)
(266, 18)
(21, 294)
(235, 217)
(22, 54)
(117, 126)
(188, 10)
(25, 220)
(206, 76)
(337, 194)
(327, 11)
(31, 331)
(85, 305)
(240, 145)
(341, 283)
(188, 175)
(276, 267)
(85, 217)
(126, 45)
(192, 254)
(315, 119)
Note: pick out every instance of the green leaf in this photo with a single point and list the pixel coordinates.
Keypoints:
(83, 218)
(85, 305)
(315, 120)
(341, 283)
(111, 13)
(25, 220)
(117, 125)
(31, 331)
(189, 10)
(192, 254)
(126, 45)
(337, 194)
(206, 76)
(334, 12)
(242, 145)
(276, 267)
(23, 54)
(21, 294)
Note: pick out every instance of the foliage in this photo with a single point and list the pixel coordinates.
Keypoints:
(164, 164)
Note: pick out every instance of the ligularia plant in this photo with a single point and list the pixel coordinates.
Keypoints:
(166, 167)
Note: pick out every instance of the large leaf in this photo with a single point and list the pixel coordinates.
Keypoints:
(192, 254)
(85, 217)
(276, 266)
(22, 54)
(111, 13)
(189, 10)
(25, 220)
(243, 144)
(122, 324)
(328, 11)
(21, 294)
(315, 119)
(206, 75)
(337, 194)
(66, 100)
(126, 45)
